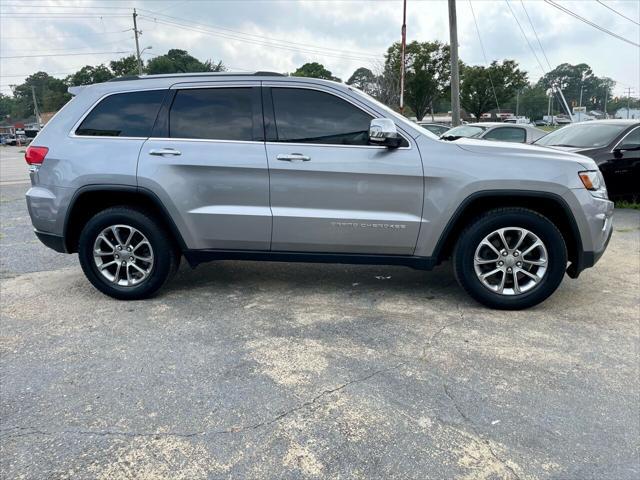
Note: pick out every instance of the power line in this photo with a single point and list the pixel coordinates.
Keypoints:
(484, 54)
(58, 17)
(536, 34)
(262, 43)
(75, 50)
(525, 36)
(589, 22)
(70, 7)
(18, 75)
(249, 35)
(617, 12)
(49, 37)
(62, 54)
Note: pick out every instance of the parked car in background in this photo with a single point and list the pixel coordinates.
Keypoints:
(518, 120)
(435, 128)
(613, 144)
(502, 132)
(18, 140)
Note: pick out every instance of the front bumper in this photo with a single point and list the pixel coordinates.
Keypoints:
(55, 242)
(594, 217)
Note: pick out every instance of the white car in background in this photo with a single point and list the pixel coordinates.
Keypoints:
(497, 131)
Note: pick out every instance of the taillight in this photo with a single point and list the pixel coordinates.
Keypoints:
(35, 155)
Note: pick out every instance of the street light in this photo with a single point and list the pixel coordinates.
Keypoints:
(145, 48)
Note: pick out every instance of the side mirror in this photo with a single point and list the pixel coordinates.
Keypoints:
(382, 131)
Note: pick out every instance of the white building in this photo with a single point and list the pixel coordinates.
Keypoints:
(632, 113)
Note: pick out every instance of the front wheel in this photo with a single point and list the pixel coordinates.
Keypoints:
(126, 254)
(510, 259)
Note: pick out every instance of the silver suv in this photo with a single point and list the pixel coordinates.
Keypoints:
(136, 173)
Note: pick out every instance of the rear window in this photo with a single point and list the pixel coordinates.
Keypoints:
(583, 135)
(213, 114)
(507, 134)
(123, 115)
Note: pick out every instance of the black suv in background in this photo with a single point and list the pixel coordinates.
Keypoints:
(613, 144)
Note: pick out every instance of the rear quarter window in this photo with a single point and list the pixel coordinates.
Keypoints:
(130, 114)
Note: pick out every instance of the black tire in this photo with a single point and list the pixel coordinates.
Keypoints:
(165, 254)
(543, 228)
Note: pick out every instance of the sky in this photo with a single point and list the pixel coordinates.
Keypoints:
(61, 36)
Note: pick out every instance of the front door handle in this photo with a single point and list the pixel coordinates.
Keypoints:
(165, 151)
(293, 157)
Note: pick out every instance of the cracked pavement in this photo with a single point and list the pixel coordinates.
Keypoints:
(271, 370)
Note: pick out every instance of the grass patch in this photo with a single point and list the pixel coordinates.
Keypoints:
(635, 205)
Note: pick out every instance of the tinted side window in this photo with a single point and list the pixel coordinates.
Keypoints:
(123, 115)
(212, 113)
(507, 134)
(310, 116)
(631, 141)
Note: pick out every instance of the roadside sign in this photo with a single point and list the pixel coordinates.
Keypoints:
(579, 109)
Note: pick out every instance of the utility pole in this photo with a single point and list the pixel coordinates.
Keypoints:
(549, 110)
(455, 74)
(629, 89)
(402, 55)
(606, 94)
(136, 33)
(36, 111)
(517, 102)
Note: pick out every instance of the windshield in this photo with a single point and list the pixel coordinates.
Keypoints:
(582, 135)
(464, 131)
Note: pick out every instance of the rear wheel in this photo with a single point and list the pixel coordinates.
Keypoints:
(510, 258)
(126, 254)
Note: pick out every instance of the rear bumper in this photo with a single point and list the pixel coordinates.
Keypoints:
(55, 242)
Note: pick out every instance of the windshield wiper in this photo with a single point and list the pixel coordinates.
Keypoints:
(564, 145)
(451, 138)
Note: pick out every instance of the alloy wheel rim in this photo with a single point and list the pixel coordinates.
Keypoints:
(511, 261)
(123, 255)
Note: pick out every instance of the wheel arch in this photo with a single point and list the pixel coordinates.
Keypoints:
(551, 205)
(91, 199)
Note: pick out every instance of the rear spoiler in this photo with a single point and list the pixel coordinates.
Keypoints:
(76, 90)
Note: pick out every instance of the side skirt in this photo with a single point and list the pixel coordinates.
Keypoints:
(196, 257)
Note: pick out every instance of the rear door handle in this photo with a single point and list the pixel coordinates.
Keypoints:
(165, 151)
(293, 157)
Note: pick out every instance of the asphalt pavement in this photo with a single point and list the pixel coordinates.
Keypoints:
(274, 370)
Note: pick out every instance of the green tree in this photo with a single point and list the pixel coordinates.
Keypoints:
(88, 75)
(534, 102)
(572, 78)
(365, 80)
(179, 61)
(6, 107)
(315, 70)
(51, 94)
(480, 86)
(427, 73)
(124, 66)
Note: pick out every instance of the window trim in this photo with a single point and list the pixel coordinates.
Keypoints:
(624, 137)
(500, 127)
(269, 117)
(72, 132)
(257, 112)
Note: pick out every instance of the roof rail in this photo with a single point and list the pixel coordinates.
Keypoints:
(196, 74)
(124, 78)
(269, 74)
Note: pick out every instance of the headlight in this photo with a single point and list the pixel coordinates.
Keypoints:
(594, 182)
